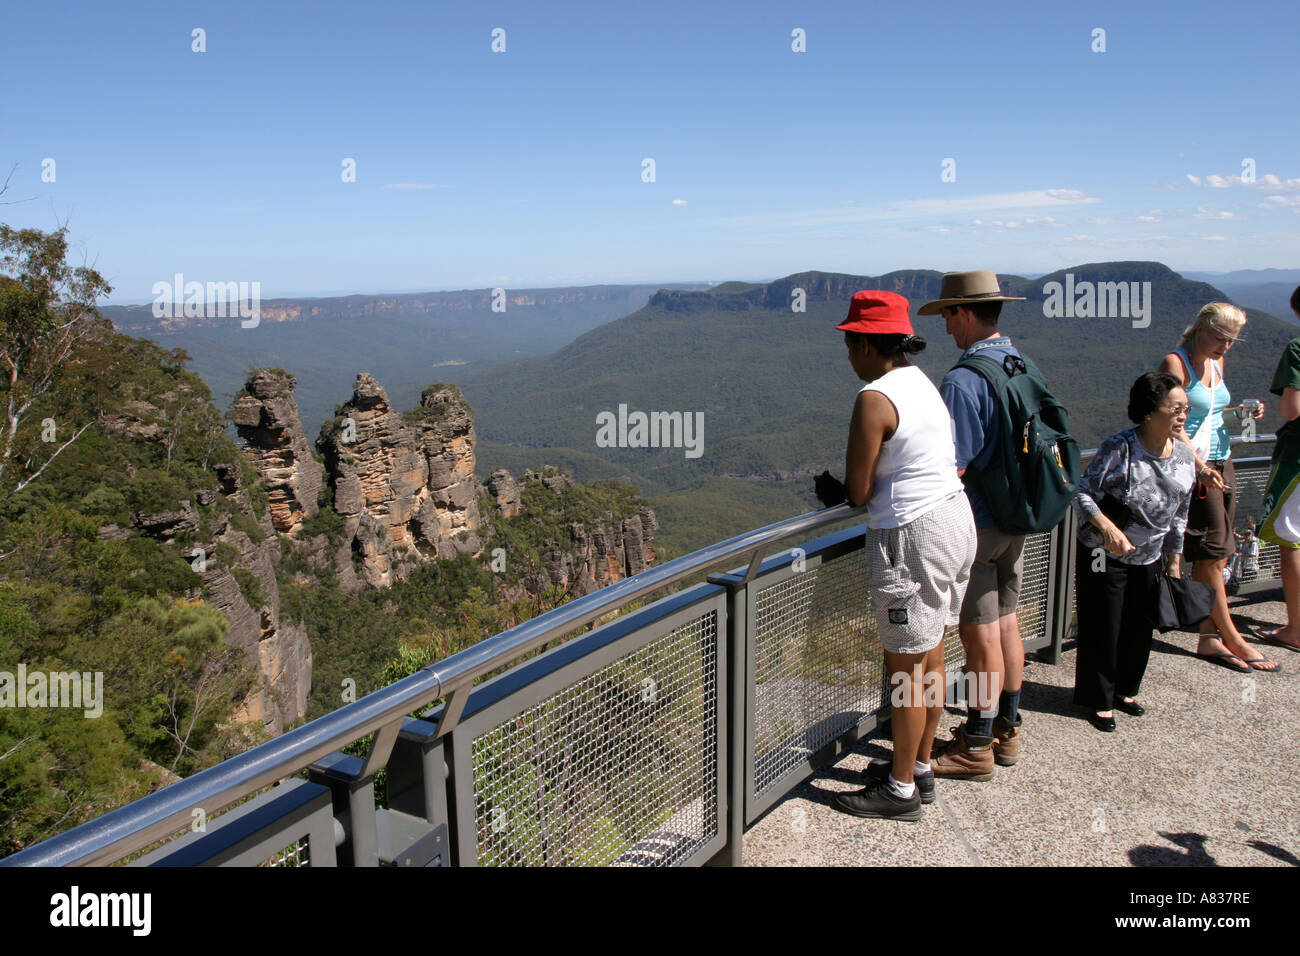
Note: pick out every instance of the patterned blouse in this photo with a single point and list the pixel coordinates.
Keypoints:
(1156, 490)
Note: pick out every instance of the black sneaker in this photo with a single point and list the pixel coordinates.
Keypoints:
(877, 800)
(880, 770)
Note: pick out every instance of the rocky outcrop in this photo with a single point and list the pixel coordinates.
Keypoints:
(280, 650)
(266, 417)
(505, 490)
(166, 525)
(404, 484)
(593, 554)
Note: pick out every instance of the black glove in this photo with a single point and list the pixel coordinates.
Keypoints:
(830, 491)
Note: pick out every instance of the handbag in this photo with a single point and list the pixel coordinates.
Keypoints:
(1179, 604)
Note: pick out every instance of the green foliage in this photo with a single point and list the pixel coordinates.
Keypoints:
(249, 587)
(325, 521)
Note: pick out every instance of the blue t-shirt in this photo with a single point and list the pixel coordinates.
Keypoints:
(976, 419)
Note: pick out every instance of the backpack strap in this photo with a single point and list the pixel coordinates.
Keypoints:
(998, 375)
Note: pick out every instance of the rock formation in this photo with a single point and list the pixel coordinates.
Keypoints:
(505, 490)
(280, 650)
(404, 484)
(593, 554)
(266, 417)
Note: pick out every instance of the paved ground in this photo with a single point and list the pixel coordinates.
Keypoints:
(1210, 775)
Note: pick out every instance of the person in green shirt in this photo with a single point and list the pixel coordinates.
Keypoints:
(1282, 494)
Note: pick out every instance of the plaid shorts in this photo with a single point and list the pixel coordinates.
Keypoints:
(919, 574)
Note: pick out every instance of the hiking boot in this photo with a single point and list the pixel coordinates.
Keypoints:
(960, 759)
(879, 770)
(878, 801)
(1006, 741)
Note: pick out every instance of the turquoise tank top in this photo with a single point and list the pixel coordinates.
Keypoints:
(1207, 402)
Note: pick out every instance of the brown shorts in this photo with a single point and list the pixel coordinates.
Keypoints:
(1210, 517)
(994, 588)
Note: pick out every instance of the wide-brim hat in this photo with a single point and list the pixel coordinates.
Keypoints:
(877, 311)
(965, 288)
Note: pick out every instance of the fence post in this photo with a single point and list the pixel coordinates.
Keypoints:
(737, 753)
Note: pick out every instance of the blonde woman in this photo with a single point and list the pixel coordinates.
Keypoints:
(1198, 364)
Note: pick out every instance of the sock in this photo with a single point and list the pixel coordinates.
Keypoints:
(1009, 706)
(904, 790)
(919, 768)
(979, 723)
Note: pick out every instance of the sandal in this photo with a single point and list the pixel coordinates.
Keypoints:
(1222, 661)
(1269, 635)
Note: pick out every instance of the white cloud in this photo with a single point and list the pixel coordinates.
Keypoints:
(919, 209)
(679, 202)
(1277, 202)
(1268, 182)
(1148, 218)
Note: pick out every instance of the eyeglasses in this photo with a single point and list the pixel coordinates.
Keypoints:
(1218, 336)
(1176, 409)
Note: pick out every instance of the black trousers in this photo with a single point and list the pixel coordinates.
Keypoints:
(1114, 628)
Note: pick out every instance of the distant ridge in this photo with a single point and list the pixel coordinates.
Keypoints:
(774, 387)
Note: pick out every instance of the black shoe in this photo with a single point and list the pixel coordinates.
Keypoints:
(879, 770)
(1133, 709)
(1105, 724)
(879, 801)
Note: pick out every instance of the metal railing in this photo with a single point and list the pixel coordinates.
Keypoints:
(650, 740)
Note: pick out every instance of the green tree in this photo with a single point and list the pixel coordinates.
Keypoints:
(46, 308)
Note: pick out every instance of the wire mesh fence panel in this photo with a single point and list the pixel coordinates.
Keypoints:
(619, 767)
(1032, 608)
(1250, 483)
(818, 664)
(298, 854)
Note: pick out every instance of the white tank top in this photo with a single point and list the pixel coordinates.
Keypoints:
(917, 468)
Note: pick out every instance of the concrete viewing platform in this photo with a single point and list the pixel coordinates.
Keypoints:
(1207, 777)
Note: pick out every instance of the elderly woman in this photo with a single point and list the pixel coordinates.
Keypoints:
(1198, 365)
(1132, 507)
(920, 540)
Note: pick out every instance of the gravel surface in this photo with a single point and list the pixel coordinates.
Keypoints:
(1208, 776)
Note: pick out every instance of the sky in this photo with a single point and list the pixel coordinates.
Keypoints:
(947, 135)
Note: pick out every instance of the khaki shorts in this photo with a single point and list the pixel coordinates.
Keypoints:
(994, 589)
(919, 574)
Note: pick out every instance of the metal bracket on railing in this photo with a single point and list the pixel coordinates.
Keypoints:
(727, 579)
(452, 710)
(381, 748)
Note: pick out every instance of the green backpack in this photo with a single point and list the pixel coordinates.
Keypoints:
(1032, 479)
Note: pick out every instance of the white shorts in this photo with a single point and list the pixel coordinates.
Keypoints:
(919, 574)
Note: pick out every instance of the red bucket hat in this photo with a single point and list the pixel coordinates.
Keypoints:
(877, 311)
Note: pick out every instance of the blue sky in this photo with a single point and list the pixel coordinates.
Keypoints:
(524, 168)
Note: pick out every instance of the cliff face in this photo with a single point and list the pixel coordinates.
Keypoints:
(404, 484)
(266, 417)
(588, 555)
(605, 554)
(280, 651)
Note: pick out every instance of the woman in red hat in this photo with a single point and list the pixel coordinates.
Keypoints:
(920, 539)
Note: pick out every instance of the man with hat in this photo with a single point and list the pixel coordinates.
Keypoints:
(971, 302)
